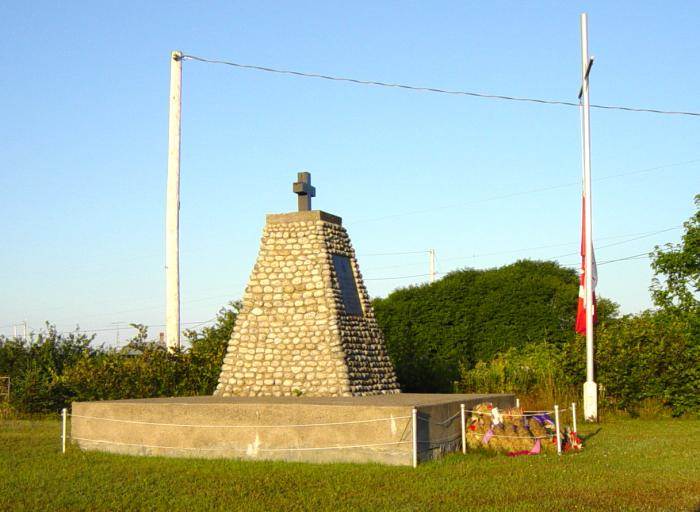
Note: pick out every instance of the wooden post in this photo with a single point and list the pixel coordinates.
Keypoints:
(414, 421)
(172, 209)
(64, 418)
(556, 419)
(464, 429)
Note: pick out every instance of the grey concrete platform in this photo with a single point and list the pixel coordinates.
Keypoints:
(323, 429)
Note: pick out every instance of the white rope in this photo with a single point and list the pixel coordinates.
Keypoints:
(330, 447)
(512, 437)
(441, 423)
(237, 449)
(446, 440)
(237, 426)
(526, 415)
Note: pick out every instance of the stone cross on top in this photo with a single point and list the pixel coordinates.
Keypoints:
(304, 191)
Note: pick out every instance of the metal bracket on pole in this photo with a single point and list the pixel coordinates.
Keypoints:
(585, 75)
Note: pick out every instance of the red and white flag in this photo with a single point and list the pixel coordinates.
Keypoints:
(581, 312)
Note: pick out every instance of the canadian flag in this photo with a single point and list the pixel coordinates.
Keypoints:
(581, 311)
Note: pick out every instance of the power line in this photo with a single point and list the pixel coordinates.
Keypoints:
(488, 199)
(632, 257)
(393, 253)
(161, 306)
(519, 193)
(470, 203)
(433, 89)
(391, 278)
(641, 255)
(623, 241)
(637, 236)
(640, 237)
(625, 258)
(123, 327)
(648, 169)
(395, 277)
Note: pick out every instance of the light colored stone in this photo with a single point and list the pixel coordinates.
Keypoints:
(293, 335)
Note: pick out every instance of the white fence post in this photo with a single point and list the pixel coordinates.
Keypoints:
(464, 429)
(414, 420)
(556, 417)
(64, 417)
(517, 403)
(573, 416)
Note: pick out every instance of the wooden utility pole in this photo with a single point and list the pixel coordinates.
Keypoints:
(172, 208)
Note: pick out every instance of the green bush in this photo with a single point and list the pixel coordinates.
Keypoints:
(34, 368)
(54, 369)
(650, 357)
(115, 374)
(471, 315)
(534, 370)
(147, 370)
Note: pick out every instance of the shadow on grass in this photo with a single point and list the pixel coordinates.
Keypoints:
(589, 436)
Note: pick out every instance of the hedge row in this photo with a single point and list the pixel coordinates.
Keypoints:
(654, 356)
(471, 315)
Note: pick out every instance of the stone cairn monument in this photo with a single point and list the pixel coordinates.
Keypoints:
(306, 327)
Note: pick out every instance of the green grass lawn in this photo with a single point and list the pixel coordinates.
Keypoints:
(625, 465)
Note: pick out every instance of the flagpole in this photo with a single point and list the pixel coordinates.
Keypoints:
(590, 390)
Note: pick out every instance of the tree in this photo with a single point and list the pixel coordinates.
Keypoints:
(676, 281)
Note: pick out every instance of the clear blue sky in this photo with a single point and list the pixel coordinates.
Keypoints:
(83, 142)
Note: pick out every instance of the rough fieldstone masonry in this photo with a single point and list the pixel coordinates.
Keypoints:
(307, 325)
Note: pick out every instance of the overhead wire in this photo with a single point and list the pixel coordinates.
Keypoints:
(445, 91)
(393, 253)
(135, 325)
(632, 257)
(641, 255)
(637, 236)
(519, 193)
(622, 242)
(395, 277)
(459, 93)
(437, 90)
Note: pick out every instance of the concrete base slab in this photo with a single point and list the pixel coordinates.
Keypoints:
(319, 429)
